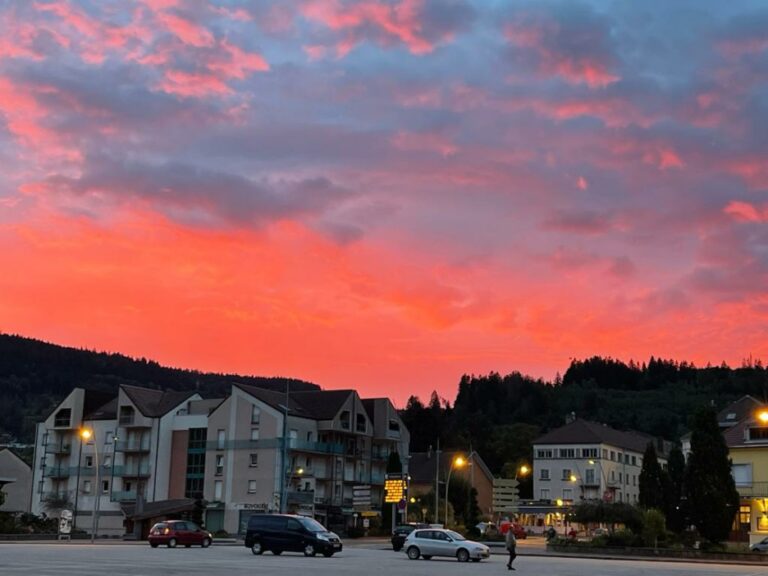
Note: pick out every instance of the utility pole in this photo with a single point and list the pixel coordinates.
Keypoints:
(284, 456)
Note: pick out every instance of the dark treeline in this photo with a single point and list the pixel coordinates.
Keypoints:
(499, 416)
(35, 376)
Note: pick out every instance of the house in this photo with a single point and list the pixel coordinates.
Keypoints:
(728, 417)
(15, 482)
(586, 460)
(747, 443)
(425, 466)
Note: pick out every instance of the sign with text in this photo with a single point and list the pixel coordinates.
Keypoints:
(361, 497)
(505, 495)
(395, 489)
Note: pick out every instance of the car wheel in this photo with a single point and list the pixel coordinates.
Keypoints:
(413, 553)
(256, 549)
(328, 553)
(153, 544)
(309, 550)
(172, 543)
(277, 552)
(427, 557)
(462, 555)
(206, 542)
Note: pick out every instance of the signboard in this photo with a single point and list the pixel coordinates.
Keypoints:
(361, 497)
(395, 489)
(506, 495)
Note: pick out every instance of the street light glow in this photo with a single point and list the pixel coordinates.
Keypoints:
(459, 462)
(300, 471)
(573, 478)
(763, 416)
(86, 434)
(524, 470)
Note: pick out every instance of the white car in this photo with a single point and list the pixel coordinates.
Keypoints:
(441, 542)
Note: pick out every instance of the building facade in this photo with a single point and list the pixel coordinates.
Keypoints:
(153, 453)
(589, 461)
(15, 482)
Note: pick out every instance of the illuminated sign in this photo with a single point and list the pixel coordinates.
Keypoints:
(395, 489)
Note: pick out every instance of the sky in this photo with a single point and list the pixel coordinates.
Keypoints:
(386, 194)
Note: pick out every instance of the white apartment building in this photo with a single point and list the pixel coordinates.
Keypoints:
(589, 461)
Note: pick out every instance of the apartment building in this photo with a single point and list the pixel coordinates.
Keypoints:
(153, 454)
(15, 482)
(586, 460)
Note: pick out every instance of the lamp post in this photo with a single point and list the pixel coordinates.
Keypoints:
(457, 462)
(87, 434)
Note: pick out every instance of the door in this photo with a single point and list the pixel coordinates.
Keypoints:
(425, 542)
(295, 536)
(443, 545)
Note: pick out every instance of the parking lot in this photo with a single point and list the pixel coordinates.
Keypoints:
(134, 559)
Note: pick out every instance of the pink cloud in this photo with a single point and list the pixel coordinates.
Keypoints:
(187, 31)
(193, 84)
(746, 212)
(433, 142)
(581, 183)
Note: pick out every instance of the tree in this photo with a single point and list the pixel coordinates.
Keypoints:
(674, 492)
(651, 481)
(712, 497)
(653, 527)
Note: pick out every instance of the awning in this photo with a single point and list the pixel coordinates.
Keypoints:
(159, 508)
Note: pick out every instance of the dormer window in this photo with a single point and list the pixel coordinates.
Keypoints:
(731, 416)
(344, 419)
(394, 426)
(758, 433)
(127, 414)
(63, 418)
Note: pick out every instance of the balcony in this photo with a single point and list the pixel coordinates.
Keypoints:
(58, 449)
(133, 471)
(57, 471)
(132, 445)
(124, 496)
(753, 490)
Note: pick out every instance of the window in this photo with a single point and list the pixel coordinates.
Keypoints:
(127, 485)
(567, 453)
(567, 494)
(344, 420)
(255, 415)
(221, 438)
(361, 424)
(306, 486)
(745, 515)
(613, 455)
(567, 474)
(105, 486)
(45, 439)
(63, 417)
(758, 433)
(605, 454)
(197, 438)
(86, 486)
(195, 463)
(254, 434)
(89, 461)
(219, 464)
(589, 477)
(251, 486)
(742, 474)
(254, 460)
(109, 437)
(613, 475)
(107, 461)
(544, 474)
(634, 460)
(309, 463)
(293, 435)
(126, 415)
(218, 487)
(309, 436)
(619, 477)
(394, 426)
(543, 454)
(193, 488)
(545, 494)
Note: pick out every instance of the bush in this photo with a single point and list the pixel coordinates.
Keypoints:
(624, 538)
(654, 529)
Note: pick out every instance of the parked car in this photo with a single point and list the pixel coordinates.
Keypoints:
(599, 532)
(175, 532)
(280, 533)
(441, 542)
(399, 534)
(761, 546)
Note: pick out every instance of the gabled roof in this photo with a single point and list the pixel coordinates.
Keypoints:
(107, 411)
(737, 411)
(156, 403)
(586, 432)
(315, 404)
(422, 465)
(15, 456)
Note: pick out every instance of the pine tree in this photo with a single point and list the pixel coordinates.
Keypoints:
(651, 481)
(674, 492)
(712, 497)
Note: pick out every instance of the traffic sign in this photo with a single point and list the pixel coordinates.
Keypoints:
(506, 495)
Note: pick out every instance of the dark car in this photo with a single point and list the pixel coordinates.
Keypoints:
(399, 534)
(280, 533)
(175, 532)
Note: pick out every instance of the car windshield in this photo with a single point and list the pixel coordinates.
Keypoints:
(312, 525)
(455, 535)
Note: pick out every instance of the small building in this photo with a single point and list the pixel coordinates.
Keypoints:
(15, 482)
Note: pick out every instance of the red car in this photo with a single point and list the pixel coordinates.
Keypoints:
(516, 528)
(175, 532)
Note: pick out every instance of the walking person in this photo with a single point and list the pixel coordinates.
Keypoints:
(511, 542)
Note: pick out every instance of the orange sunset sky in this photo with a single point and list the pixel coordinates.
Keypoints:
(386, 195)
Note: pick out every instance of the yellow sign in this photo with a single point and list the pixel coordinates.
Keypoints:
(395, 490)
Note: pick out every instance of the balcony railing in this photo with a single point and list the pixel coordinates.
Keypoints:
(58, 471)
(753, 490)
(133, 471)
(58, 449)
(124, 496)
(132, 446)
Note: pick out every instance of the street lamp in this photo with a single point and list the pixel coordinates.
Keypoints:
(87, 435)
(763, 416)
(457, 462)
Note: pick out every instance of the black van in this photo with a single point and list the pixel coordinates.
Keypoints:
(288, 533)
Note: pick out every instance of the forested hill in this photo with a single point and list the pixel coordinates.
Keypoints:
(500, 416)
(35, 375)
